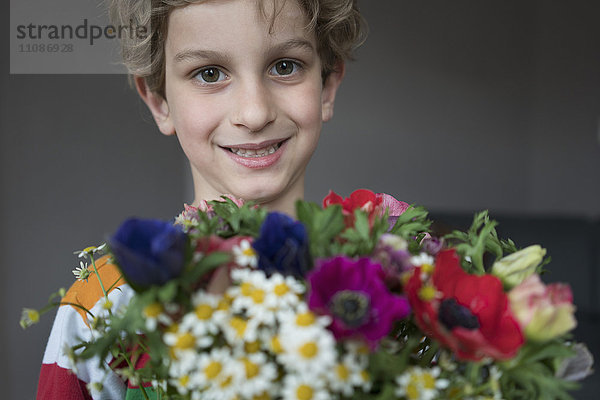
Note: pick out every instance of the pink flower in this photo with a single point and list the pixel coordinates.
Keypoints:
(544, 312)
(354, 294)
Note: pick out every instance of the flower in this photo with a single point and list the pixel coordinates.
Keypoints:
(282, 246)
(148, 252)
(467, 313)
(29, 316)
(392, 253)
(91, 250)
(244, 254)
(420, 383)
(544, 312)
(298, 387)
(361, 199)
(82, 273)
(578, 366)
(515, 267)
(354, 294)
(365, 200)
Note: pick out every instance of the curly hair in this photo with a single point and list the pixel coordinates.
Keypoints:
(338, 25)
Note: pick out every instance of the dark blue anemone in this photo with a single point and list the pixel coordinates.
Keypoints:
(282, 246)
(148, 252)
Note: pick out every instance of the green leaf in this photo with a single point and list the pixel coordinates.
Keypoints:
(168, 292)
(411, 222)
(205, 265)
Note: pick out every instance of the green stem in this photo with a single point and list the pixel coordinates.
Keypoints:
(98, 275)
(67, 303)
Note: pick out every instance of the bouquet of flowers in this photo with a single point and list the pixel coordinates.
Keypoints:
(354, 299)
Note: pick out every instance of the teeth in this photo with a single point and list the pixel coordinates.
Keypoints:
(255, 153)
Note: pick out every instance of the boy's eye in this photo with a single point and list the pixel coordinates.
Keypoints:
(284, 67)
(210, 75)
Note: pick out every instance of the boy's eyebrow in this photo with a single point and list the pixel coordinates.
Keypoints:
(195, 54)
(293, 44)
(191, 55)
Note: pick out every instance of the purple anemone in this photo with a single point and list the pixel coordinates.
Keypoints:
(354, 294)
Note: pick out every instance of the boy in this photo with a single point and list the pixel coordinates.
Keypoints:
(245, 85)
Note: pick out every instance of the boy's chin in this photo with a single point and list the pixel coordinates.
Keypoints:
(274, 197)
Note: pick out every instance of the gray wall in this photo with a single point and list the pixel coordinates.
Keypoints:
(455, 105)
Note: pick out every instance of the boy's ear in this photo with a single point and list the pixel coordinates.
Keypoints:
(158, 106)
(329, 90)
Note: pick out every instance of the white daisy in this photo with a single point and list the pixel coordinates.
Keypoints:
(259, 374)
(302, 319)
(220, 374)
(310, 351)
(296, 387)
(239, 330)
(252, 296)
(244, 255)
(285, 291)
(203, 320)
(153, 314)
(422, 258)
(420, 383)
(82, 273)
(182, 340)
(346, 375)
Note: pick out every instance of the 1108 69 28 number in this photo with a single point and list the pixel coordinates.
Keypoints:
(46, 48)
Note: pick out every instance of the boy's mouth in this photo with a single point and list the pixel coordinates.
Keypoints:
(255, 151)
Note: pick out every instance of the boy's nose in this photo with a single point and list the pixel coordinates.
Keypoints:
(255, 109)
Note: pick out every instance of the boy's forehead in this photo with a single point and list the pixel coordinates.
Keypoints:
(215, 22)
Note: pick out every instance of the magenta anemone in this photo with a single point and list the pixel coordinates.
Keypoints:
(353, 293)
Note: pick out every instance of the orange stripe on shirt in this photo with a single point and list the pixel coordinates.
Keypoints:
(87, 293)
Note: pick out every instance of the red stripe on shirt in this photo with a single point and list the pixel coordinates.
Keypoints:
(58, 383)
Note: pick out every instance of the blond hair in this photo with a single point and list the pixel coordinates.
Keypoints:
(338, 25)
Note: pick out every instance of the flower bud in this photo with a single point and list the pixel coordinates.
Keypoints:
(544, 312)
(515, 267)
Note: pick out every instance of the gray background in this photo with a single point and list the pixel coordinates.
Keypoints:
(455, 105)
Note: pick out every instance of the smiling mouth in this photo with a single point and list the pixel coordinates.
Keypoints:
(255, 153)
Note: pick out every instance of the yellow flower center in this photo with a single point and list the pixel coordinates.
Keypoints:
(185, 341)
(427, 268)
(204, 311)
(281, 289)
(226, 382)
(428, 381)
(276, 345)
(427, 293)
(249, 252)
(213, 369)
(262, 396)
(246, 289)
(239, 325)
(153, 310)
(308, 350)
(342, 372)
(412, 391)
(33, 315)
(223, 304)
(258, 296)
(184, 380)
(304, 392)
(251, 369)
(252, 347)
(305, 319)
(364, 374)
(172, 328)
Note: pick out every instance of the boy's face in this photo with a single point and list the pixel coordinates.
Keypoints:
(246, 103)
